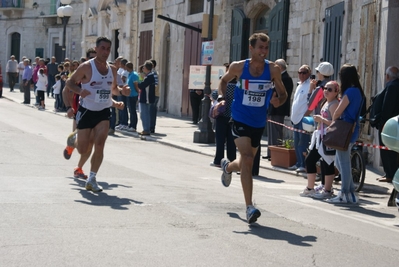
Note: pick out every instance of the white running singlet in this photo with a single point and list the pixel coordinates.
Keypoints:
(99, 87)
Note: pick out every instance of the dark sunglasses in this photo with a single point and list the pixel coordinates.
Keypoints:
(302, 72)
(329, 89)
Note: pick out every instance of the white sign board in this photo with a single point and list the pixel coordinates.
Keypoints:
(197, 77)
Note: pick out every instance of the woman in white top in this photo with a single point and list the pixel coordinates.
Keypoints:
(41, 87)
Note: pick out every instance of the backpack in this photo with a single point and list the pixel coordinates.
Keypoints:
(376, 108)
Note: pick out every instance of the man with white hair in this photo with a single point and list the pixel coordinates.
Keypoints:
(12, 72)
(390, 108)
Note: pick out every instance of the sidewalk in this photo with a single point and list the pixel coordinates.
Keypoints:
(176, 132)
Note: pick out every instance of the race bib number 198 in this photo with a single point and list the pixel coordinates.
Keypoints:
(254, 99)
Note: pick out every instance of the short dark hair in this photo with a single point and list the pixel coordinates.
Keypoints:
(129, 65)
(154, 63)
(57, 77)
(90, 51)
(124, 61)
(103, 39)
(258, 36)
(148, 65)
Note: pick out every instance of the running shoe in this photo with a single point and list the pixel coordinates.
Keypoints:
(226, 177)
(340, 199)
(68, 152)
(78, 173)
(252, 214)
(72, 138)
(323, 194)
(307, 192)
(93, 185)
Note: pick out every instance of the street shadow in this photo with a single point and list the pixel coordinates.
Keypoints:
(102, 198)
(362, 210)
(268, 180)
(271, 233)
(375, 189)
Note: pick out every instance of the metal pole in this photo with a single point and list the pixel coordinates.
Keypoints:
(205, 134)
(64, 22)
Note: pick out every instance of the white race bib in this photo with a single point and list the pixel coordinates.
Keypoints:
(102, 96)
(254, 99)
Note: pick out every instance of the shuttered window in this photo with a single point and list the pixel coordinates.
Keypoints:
(196, 6)
(147, 16)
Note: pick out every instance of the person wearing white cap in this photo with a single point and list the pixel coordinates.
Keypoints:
(323, 75)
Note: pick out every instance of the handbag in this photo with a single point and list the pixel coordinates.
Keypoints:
(339, 133)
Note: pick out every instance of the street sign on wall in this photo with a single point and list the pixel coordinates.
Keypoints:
(197, 77)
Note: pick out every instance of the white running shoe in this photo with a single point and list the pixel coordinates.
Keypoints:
(226, 177)
(307, 193)
(340, 199)
(93, 185)
(323, 194)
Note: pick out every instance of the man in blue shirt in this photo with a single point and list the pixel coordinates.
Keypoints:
(132, 81)
(26, 81)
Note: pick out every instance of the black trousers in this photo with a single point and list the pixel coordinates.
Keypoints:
(26, 88)
(196, 103)
(389, 160)
(12, 79)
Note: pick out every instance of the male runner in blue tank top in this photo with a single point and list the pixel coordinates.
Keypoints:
(98, 81)
(252, 96)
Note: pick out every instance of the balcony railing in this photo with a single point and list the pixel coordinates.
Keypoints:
(10, 4)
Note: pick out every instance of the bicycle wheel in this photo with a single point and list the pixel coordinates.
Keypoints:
(358, 169)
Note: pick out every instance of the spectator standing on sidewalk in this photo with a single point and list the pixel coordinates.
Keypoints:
(57, 93)
(41, 87)
(121, 81)
(147, 96)
(154, 106)
(222, 126)
(26, 80)
(252, 96)
(298, 110)
(52, 70)
(12, 72)
(275, 131)
(196, 104)
(390, 108)
(21, 68)
(132, 82)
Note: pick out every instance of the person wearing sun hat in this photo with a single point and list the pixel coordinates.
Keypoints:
(324, 71)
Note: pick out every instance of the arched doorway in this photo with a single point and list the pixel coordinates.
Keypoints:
(15, 45)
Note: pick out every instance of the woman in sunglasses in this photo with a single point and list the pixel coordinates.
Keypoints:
(316, 150)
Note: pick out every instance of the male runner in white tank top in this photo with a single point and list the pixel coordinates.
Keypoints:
(98, 81)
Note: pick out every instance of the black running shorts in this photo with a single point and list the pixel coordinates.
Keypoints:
(87, 119)
(239, 129)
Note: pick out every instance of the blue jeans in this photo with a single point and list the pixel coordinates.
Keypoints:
(123, 115)
(301, 143)
(131, 104)
(145, 116)
(153, 112)
(343, 164)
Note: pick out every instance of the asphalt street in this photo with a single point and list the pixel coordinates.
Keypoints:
(163, 205)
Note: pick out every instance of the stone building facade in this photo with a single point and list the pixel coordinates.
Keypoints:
(359, 32)
(32, 28)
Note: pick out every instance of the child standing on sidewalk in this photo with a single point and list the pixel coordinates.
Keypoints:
(57, 93)
(41, 87)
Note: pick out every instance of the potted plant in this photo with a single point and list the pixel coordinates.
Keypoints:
(283, 155)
